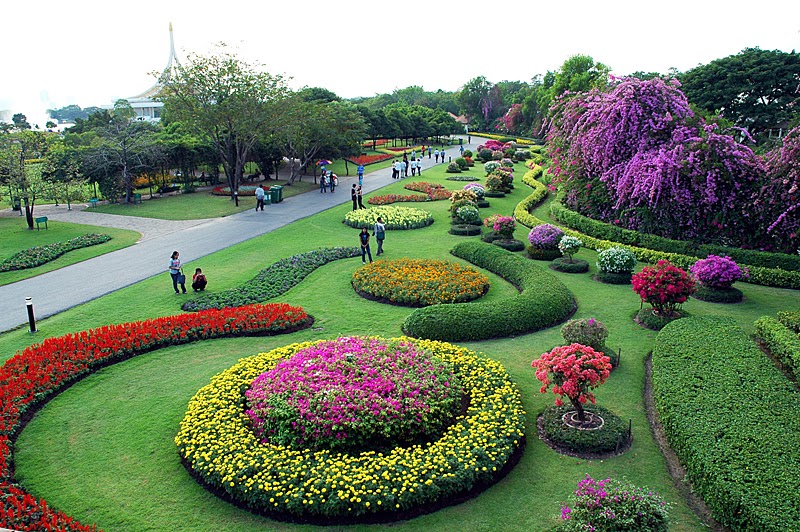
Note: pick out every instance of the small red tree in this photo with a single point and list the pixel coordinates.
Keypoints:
(574, 371)
(664, 286)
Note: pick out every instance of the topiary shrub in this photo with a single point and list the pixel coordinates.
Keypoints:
(715, 276)
(510, 244)
(543, 254)
(468, 154)
(485, 155)
(469, 214)
(453, 168)
(609, 439)
(569, 246)
(665, 286)
(462, 163)
(477, 189)
(564, 265)
(490, 167)
(616, 260)
(465, 230)
(724, 295)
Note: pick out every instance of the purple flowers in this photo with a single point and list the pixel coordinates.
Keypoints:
(718, 273)
(354, 393)
(545, 236)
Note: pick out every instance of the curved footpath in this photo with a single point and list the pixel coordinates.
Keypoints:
(67, 287)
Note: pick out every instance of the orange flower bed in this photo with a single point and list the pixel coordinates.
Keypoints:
(419, 282)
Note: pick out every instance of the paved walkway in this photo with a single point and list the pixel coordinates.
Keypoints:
(67, 287)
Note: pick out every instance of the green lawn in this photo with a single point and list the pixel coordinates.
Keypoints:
(103, 450)
(15, 237)
(198, 204)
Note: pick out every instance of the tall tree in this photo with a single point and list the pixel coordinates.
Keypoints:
(230, 102)
(580, 73)
(756, 89)
(20, 122)
(21, 166)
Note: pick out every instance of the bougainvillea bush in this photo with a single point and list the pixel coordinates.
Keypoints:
(665, 286)
(354, 394)
(637, 156)
(613, 505)
(574, 371)
(779, 200)
(545, 236)
(718, 273)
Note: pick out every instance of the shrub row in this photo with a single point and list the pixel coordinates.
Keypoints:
(543, 301)
(781, 341)
(31, 378)
(791, 319)
(38, 255)
(731, 416)
(768, 269)
(272, 281)
(522, 212)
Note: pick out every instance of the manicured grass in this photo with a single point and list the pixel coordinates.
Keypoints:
(15, 237)
(103, 450)
(197, 205)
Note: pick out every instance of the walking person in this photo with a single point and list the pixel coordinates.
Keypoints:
(429, 152)
(363, 238)
(360, 197)
(379, 232)
(175, 271)
(419, 166)
(413, 167)
(394, 170)
(332, 181)
(436, 154)
(354, 197)
(323, 183)
(260, 197)
(360, 172)
(461, 149)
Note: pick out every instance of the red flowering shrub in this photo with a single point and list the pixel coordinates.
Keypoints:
(664, 286)
(39, 372)
(574, 371)
(370, 159)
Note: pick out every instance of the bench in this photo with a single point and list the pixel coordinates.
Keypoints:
(41, 220)
(93, 202)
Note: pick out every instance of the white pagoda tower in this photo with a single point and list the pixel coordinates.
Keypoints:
(147, 109)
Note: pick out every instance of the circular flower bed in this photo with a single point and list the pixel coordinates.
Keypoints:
(419, 282)
(324, 486)
(354, 394)
(393, 217)
(609, 438)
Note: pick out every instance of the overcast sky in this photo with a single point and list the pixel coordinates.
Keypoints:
(55, 53)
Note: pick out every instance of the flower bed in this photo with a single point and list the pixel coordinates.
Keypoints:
(543, 302)
(32, 377)
(732, 418)
(433, 190)
(370, 159)
(354, 395)
(273, 281)
(419, 282)
(393, 217)
(38, 255)
(325, 486)
(388, 199)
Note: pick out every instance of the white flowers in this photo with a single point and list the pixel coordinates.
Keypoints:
(616, 260)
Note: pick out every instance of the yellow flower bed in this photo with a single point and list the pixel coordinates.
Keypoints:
(217, 443)
(420, 282)
(394, 217)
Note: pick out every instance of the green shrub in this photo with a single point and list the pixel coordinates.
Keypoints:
(616, 260)
(543, 254)
(468, 153)
(38, 255)
(522, 212)
(462, 163)
(585, 331)
(564, 265)
(782, 342)
(791, 319)
(511, 244)
(718, 295)
(465, 230)
(453, 168)
(612, 437)
(656, 322)
(733, 419)
(613, 278)
(543, 302)
(485, 155)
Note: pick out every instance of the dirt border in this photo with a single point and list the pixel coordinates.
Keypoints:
(674, 467)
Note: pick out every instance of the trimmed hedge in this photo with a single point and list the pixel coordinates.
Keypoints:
(733, 419)
(790, 318)
(38, 255)
(564, 265)
(522, 212)
(544, 301)
(768, 269)
(714, 295)
(781, 341)
(272, 281)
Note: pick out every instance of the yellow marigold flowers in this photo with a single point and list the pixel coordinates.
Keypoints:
(216, 441)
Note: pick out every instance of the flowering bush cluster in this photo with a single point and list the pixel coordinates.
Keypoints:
(584, 331)
(38, 255)
(272, 281)
(420, 282)
(612, 505)
(459, 197)
(718, 273)
(494, 182)
(388, 199)
(42, 370)
(545, 236)
(505, 162)
(354, 394)
(569, 245)
(477, 189)
(616, 259)
(574, 371)
(490, 167)
(469, 214)
(370, 159)
(505, 226)
(215, 441)
(665, 286)
(434, 191)
(636, 153)
(779, 200)
(393, 217)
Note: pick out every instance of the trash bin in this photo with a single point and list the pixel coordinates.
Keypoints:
(15, 204)
(276, 193)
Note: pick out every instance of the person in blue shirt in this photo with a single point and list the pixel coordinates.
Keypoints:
(360, 171)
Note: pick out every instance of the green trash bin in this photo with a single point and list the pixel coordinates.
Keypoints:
(276, 193)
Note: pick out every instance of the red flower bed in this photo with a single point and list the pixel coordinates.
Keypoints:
(395, 198)
(433, 190)
(38, 373)
(370, 159)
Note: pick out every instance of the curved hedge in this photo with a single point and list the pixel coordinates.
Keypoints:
(273, 281)
(733, 419)
(522, 212)
(781, 341)
(543, 301)
(38, 255)
(768, 269)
